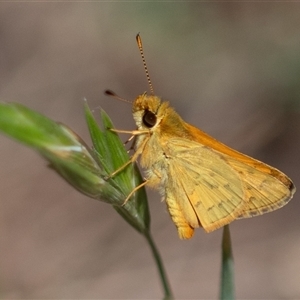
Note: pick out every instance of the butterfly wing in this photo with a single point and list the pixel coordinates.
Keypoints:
(266, 187)
(209, 192)
(213, 188)
(265, 192)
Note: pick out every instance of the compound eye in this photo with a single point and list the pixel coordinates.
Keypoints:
(149, 119)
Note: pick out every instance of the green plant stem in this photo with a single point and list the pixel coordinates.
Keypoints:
(160, 267)
(227, 274)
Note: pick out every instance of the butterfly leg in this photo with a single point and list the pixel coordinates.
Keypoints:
(118, 170)
(134, 190)
(132, 159)
(135, 155)
(185, 231)
(132, 132)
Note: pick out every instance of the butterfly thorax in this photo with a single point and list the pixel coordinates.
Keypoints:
(157, 123)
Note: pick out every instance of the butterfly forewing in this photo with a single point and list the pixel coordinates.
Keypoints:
(264, 191)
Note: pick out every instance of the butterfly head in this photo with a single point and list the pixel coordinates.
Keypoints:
(148, 111)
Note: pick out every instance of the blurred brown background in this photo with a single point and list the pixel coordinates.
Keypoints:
(231, 69)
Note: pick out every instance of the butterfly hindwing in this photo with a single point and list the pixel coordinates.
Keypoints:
(208, 190)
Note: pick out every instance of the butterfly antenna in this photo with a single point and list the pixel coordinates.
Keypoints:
(140, 45)
(114, 95)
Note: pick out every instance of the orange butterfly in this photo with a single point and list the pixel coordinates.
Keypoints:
(204, 183)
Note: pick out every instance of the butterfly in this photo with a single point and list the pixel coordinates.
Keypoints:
(203, 182)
